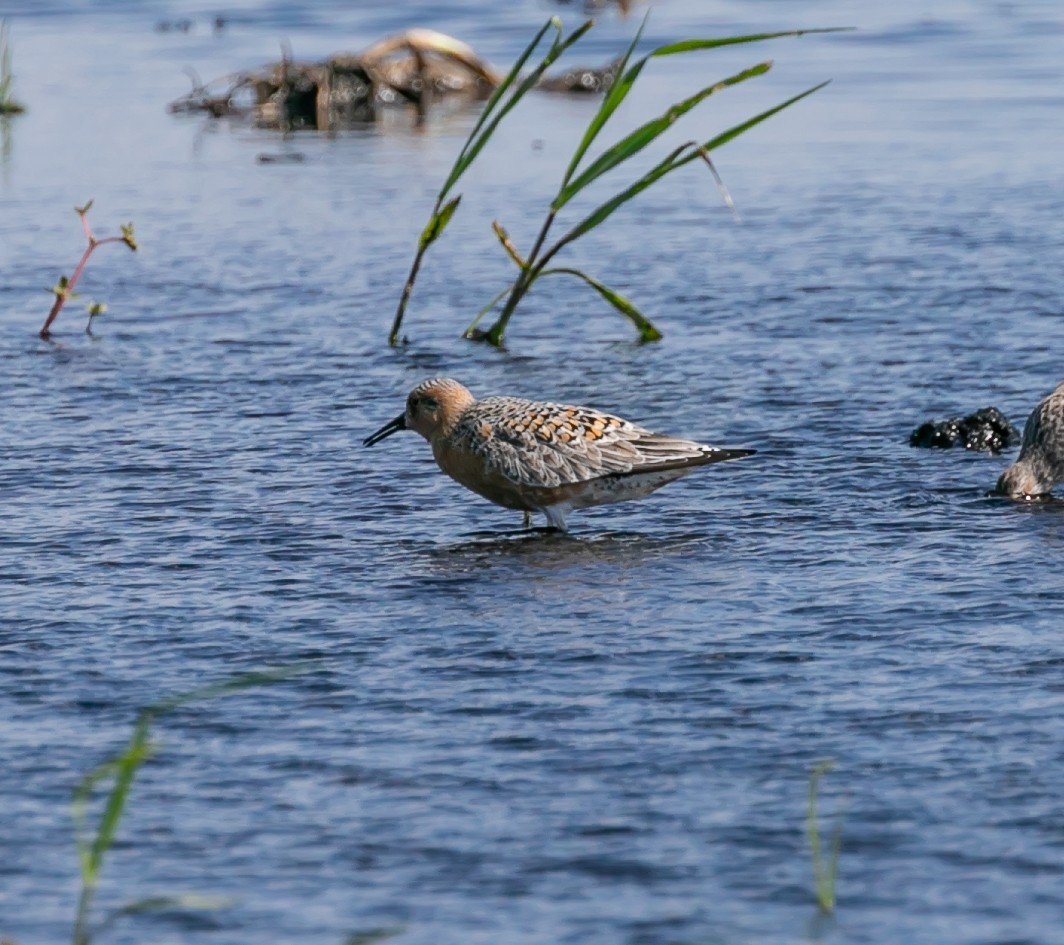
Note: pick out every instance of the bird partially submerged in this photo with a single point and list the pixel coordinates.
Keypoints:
(1040, 465)
(544, 457)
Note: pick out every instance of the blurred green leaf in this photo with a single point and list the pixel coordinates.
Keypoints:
(227, 687)
(185, 902)
(122, 770)
(825, 874)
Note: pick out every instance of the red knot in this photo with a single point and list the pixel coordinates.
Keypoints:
(544, 457)
(1041, 462)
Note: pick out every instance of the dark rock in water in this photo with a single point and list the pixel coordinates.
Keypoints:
(987, 429)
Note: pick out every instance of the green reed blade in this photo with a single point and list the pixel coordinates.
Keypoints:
(624, 80)
(479, 138)
(494, 99)
(637, 140)
(605, 210)
(671, 163)
(687, 45)
(736, 130)
(647, 331)
(617, 92)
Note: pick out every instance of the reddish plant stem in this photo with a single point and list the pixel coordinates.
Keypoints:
(60, 298)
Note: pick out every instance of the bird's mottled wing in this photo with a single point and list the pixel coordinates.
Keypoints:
(547, 445)
(1045, 425)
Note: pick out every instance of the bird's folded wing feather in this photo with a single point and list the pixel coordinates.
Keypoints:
(548, 445)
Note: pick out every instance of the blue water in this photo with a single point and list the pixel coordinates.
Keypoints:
(598, 739)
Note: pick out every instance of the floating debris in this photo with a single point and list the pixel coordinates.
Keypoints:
(416, 68)
(987, 430)
(176, 26)
(293, 158)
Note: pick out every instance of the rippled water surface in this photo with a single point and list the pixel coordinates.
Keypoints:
(601, 738)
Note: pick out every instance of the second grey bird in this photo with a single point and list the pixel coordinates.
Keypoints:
(1040, 465)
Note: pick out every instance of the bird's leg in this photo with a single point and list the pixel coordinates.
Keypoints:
(527, 522)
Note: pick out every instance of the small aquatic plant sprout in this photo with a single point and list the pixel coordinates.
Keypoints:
(1040, 465)
(544, 457)
(825, 870)
(579, 175)
(64, 288)
(8, 105)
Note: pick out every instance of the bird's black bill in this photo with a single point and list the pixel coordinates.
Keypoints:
(399, 423)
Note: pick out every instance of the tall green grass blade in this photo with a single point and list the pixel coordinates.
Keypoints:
(437, 224)
(724, 137)
(647, 332)
(687, 45)
(484, 129)
(637, 140)
(617, 92)
(663, 167)
(671, 163)
(493, 101)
